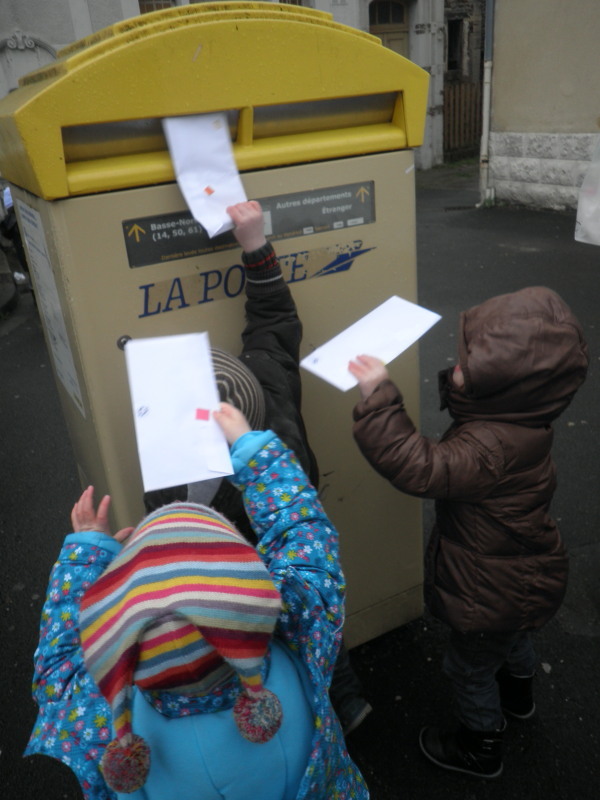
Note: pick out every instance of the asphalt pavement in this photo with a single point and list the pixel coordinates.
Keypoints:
(465, 254)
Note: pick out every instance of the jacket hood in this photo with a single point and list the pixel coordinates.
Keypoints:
(523, 356)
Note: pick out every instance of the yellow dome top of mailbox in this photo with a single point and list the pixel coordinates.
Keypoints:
(297, 87)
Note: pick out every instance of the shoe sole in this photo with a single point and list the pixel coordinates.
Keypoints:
(528, 715)
(488, 775)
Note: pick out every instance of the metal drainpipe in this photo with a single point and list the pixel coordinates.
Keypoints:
(486, 192)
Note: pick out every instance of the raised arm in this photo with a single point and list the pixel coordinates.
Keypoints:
(272, 335)
(296, 539)
(272, 323)
(459, 466)
(74, 720)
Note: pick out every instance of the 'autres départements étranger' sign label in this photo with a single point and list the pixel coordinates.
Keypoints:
(170, 237)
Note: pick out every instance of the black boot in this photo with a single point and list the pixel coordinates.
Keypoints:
(516, 694)
(474, 752)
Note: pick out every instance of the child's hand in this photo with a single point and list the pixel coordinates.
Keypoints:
(369, 372)
(232, 422)
(85, 518)
(249, 225)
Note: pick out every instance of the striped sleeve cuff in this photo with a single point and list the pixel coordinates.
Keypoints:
(263, 258)
(263, 271)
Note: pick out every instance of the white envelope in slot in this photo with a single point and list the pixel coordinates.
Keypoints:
(206, 172)
(385, 332)
(173, 393)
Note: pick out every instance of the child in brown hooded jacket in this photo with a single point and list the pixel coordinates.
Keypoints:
(496, 568)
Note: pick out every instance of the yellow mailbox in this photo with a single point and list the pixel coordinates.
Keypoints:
(323, 120)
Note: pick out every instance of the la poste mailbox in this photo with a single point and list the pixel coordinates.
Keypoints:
(323, 120)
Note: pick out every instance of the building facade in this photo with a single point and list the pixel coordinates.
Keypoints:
(528, 102)
(32, 31)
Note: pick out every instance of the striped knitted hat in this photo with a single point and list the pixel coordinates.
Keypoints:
(238, 386)
(186, 604)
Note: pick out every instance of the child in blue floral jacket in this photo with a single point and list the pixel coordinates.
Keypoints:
(195, 749)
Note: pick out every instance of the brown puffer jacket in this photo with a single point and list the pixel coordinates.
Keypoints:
(495, 560)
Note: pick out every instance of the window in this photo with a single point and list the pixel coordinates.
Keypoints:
(146, 6)
(386, 12)
(454, 52)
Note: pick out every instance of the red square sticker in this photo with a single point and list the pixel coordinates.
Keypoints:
(202, 413)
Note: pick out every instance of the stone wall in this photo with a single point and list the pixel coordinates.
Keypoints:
(540, 170)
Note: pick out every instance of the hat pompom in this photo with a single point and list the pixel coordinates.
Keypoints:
(125, 767)
(258, 718)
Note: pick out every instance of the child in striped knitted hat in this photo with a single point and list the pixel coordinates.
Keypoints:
(207, 662)
(186, 604)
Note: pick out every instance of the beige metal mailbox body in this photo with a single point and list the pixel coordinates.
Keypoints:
(130, 261)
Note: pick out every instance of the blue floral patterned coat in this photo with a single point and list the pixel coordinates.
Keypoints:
(300, 548)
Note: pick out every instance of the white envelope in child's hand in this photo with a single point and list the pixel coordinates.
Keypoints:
(173, 392)
(200, 148)
(385, 332)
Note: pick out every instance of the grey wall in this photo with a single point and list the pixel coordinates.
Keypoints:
(545, 117)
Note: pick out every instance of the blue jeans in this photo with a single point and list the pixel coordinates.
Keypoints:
(471, 663)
